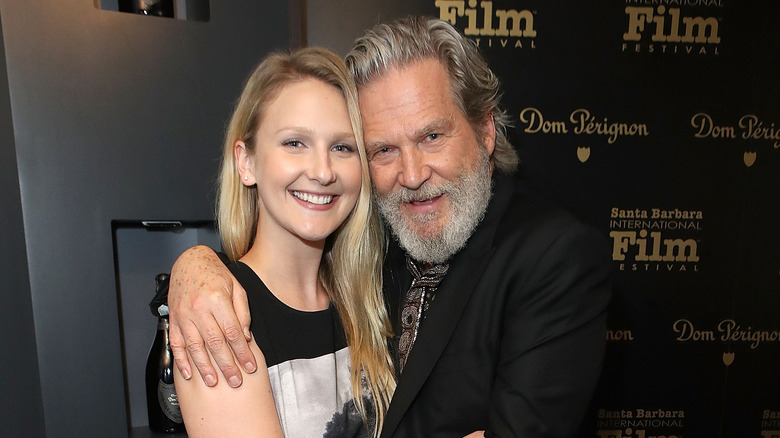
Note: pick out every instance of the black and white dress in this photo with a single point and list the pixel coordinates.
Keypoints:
(308, 363)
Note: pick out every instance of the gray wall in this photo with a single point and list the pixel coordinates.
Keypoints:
(21, 409)
(326, 24)
(115, 116)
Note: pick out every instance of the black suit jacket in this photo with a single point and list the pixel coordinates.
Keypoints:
(513, 341)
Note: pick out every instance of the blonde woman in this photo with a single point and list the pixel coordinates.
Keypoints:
(297, 223)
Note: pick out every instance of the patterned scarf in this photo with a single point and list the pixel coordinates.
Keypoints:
(418, 299)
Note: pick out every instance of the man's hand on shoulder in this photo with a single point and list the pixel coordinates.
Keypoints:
(209, 315)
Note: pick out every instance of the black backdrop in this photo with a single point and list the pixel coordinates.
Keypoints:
(658, 122)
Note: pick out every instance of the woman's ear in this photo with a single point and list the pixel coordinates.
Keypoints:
(244, 163)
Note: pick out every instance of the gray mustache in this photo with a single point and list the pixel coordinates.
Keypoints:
(426, 191)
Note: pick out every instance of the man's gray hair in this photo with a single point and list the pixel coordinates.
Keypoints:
(474, 86)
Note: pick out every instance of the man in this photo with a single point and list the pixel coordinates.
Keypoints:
(497, 297)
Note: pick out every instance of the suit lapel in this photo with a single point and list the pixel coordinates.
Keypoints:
(451, 297)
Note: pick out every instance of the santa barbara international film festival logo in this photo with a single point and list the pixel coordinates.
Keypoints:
(672, 27)
(489, 26)
(770, 423)
(639, 423)
(655, 239)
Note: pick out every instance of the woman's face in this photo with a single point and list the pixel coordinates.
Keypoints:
(306, 164)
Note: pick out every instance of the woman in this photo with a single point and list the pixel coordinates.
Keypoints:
(296, 218)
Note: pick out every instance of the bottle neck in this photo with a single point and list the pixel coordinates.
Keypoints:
(162, 323)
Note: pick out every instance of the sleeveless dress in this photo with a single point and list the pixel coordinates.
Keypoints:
(308, 363)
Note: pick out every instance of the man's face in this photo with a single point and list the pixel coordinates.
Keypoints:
(430, 169)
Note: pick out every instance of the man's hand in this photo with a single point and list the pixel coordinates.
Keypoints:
(209, 314)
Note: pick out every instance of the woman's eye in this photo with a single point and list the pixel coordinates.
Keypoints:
(343, 148)
(292, 143)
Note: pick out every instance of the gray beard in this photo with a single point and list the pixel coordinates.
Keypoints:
(417, 233)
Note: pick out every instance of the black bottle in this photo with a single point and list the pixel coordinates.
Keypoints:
(161, 400)
(160, 8)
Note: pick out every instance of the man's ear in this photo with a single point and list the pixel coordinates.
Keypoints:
(244, 163)
(488, 133)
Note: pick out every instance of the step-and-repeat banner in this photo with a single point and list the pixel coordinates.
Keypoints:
(658, 122)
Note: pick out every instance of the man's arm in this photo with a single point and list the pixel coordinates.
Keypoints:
(209, 315)
(553, 342)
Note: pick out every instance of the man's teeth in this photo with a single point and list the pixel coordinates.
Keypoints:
(314, 199)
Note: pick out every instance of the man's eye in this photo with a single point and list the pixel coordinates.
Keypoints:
(379, 153)
(433, 136)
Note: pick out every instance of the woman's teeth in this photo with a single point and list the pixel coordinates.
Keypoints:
(314, 199)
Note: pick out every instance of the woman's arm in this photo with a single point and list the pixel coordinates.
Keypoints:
(223, 411)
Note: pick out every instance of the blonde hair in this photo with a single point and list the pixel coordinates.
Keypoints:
(351, 267)
(474, 86)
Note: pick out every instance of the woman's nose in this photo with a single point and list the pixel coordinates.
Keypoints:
(321, 169)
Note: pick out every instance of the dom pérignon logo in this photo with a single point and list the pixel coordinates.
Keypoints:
(750, 132)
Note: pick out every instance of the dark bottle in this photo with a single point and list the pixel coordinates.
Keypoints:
(161, 400)
(160, 8)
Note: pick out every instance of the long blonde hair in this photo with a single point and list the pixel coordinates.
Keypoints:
(351, 267)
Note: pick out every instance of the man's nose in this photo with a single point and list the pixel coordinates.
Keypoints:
(414, 169)
(321, 169)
